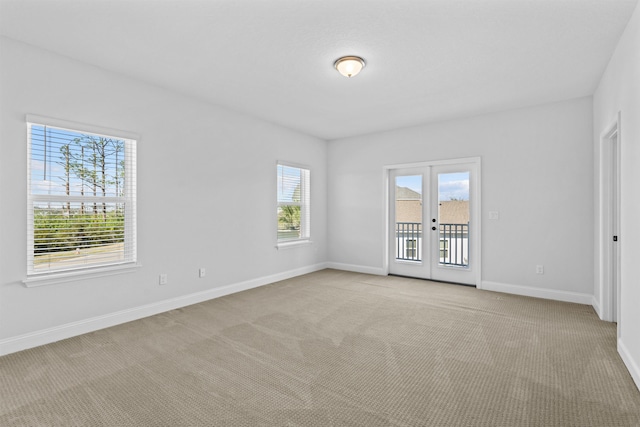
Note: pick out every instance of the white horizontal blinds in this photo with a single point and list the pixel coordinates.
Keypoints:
(81, 200)
(130, 199)
(294, 222)
(305, 197)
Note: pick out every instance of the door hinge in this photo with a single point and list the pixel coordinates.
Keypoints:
(615, 238)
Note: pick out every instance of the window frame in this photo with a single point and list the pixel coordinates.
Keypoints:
(129, 199)
(305, 206)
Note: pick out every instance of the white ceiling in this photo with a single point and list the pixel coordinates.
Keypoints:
(426, 60)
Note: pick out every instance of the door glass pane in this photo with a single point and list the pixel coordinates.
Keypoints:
(409, 217)
(453, 218)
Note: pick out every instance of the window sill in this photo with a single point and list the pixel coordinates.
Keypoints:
(293, 244)
(70, 276)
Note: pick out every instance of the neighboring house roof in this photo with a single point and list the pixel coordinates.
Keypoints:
(404, 193)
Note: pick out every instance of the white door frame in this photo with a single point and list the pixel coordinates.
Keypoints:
(476, 209)
(610, 253)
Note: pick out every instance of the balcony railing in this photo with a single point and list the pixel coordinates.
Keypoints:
(454, 243)
(408, 241)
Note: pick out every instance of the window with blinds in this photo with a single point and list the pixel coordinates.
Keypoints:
(81, 200)
(294, 200)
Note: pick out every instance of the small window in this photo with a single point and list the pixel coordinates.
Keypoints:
(444, 249)
(293, 203)
(411, 249)
(81, 200)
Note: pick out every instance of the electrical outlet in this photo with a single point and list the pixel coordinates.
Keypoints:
(539, 269)
(202, 273)
(163, 279)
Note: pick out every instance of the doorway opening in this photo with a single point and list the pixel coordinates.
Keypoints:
(610, 224)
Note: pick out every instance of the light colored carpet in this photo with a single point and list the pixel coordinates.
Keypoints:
(333, 348)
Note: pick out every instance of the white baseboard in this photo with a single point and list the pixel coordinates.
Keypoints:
(631, 364)
(529, 291)
(57, 333)
(596, 306)
(356, 268)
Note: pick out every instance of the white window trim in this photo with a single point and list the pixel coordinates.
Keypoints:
(291, 244)
(48, 278)
(82, 127)
(73, 275)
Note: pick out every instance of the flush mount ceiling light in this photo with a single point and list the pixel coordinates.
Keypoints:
(349, 66)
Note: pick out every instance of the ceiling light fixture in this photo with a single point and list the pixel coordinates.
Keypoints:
(349, 66)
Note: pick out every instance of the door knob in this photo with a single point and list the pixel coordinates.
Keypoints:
(433, 228)
(433, 220)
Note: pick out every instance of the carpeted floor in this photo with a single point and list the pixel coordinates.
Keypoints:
(333, 348)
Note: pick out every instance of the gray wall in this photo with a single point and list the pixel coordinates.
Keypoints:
(619, 92)
(536, 171)
(206, 190)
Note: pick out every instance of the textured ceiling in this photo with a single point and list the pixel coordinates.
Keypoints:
(426, 60)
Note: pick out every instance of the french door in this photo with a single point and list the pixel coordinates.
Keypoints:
(433, 225)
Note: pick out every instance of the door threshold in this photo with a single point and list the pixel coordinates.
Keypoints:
(433, 280)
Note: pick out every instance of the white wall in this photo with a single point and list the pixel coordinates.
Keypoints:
(619, 91)
(206, 192)
(536, 171)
